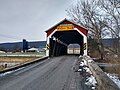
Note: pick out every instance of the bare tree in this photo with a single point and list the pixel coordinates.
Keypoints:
(111, 10)
(101, 17)
(87, 14)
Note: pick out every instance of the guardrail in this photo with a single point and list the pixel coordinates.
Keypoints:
(104, 82)
(23, 65)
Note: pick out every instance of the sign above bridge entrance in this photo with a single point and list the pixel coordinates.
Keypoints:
(65, 27)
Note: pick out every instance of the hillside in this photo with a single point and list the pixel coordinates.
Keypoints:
(18, 45)
(38, 44)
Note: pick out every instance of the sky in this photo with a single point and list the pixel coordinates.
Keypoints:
(29, 19)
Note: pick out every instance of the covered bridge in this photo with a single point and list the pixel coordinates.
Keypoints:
(60, 36)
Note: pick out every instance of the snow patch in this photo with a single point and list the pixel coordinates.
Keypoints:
(84, 61)
(91, 81)
(82, 64)
(114, 78)
(3, 74)
(80, 56)
(87, 70)
(79, 70)
(89, 61)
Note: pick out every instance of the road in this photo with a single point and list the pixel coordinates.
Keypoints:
(52, 74)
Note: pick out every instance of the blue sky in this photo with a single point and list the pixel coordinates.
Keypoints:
(29, 19)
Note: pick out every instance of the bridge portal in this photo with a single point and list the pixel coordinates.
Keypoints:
(63, 34)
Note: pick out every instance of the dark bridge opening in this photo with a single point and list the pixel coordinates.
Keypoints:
(60, 40)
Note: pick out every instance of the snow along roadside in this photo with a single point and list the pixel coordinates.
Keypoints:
(114, 78)
(84, 70)
(103, 81)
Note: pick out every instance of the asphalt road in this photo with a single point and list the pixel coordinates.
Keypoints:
(51, 74)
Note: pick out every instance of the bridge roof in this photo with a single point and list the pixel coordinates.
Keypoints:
(66, 21)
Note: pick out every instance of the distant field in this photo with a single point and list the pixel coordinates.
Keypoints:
(8, 60)
(27, 54)
(16, 59)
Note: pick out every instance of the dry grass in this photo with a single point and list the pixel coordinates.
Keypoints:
(94, 54)
(110, 58)
(2, 67)
(17, 59)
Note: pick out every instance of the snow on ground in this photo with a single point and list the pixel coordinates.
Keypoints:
(79, 70)
(90, 79)
(87, 70)
(3, 74)
(82, 63)
(89, 61)
(114, 78)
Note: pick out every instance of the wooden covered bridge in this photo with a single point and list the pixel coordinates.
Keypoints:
(61, 35)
